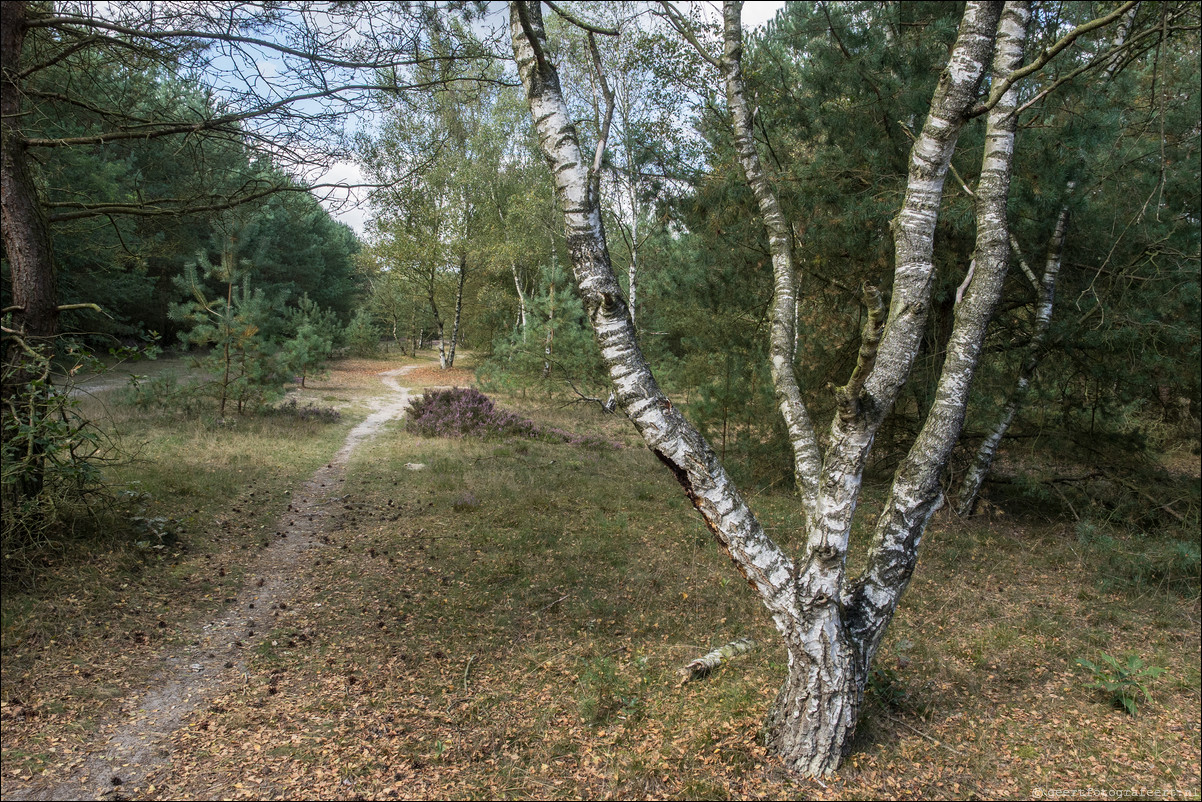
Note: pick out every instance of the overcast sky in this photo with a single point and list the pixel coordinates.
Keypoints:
(755, 14)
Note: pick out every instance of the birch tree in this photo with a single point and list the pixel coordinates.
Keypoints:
(831, 626)
(1127, 44)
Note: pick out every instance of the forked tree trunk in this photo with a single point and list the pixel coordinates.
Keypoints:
(916, 492)
(830, 634)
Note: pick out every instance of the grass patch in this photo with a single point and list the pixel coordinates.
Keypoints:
(508, 622)
(192, 502)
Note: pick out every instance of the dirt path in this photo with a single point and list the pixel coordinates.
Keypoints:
(135, 742)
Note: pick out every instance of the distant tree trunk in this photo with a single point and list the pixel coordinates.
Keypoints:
(450, 362)
(413, 331)
(831, 634)
(521, 301)
(982, 463)
(442, 351)
(228, 335)
(549, 338)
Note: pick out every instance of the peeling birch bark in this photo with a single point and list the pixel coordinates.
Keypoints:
(669, 436)
(711, 660)
(807, 457)
(814, 718)
(450, 362)
(916, 494)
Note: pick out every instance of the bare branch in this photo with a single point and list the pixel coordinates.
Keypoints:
(848, 396)
(1110, 56)
(579, 23)
(312, 56)
(1022, 262)
(609, 106)
(153, 130)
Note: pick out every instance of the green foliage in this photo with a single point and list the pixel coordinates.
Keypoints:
(1123, 683)
(1137, 562)
(557, 345)
(605, 692)
(312, 340)
(241, 361)
(361, 335)
(127, 264)
(50, 467)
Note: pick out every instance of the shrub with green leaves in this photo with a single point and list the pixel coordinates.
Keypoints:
(312, 340)
(361, 335)
(1123, 683)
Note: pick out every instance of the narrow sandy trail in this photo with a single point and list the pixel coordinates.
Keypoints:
(135, 742)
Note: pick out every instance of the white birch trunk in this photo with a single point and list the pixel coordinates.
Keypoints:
(814, 718)
(549, 338)
(450, 362)
(442, 345)
(916, 493)
(632, 272)
(881, 371)
(1045, 287)
(668, 435)
(517, 283)
(807, 458)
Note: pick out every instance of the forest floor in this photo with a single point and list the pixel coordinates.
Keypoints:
(508, 622)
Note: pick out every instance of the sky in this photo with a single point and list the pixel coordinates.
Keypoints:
(355, 215)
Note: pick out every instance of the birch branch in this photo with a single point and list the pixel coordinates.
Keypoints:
(682, 27)
(1038, 64)
(1022, 263)
(603, 137)
(848, 396)
(705, 664)
(972, 268)
(579, 23)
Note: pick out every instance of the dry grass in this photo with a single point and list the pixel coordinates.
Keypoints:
(508, 623)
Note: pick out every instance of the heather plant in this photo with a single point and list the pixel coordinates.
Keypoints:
(309, 412)
(467, 412)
